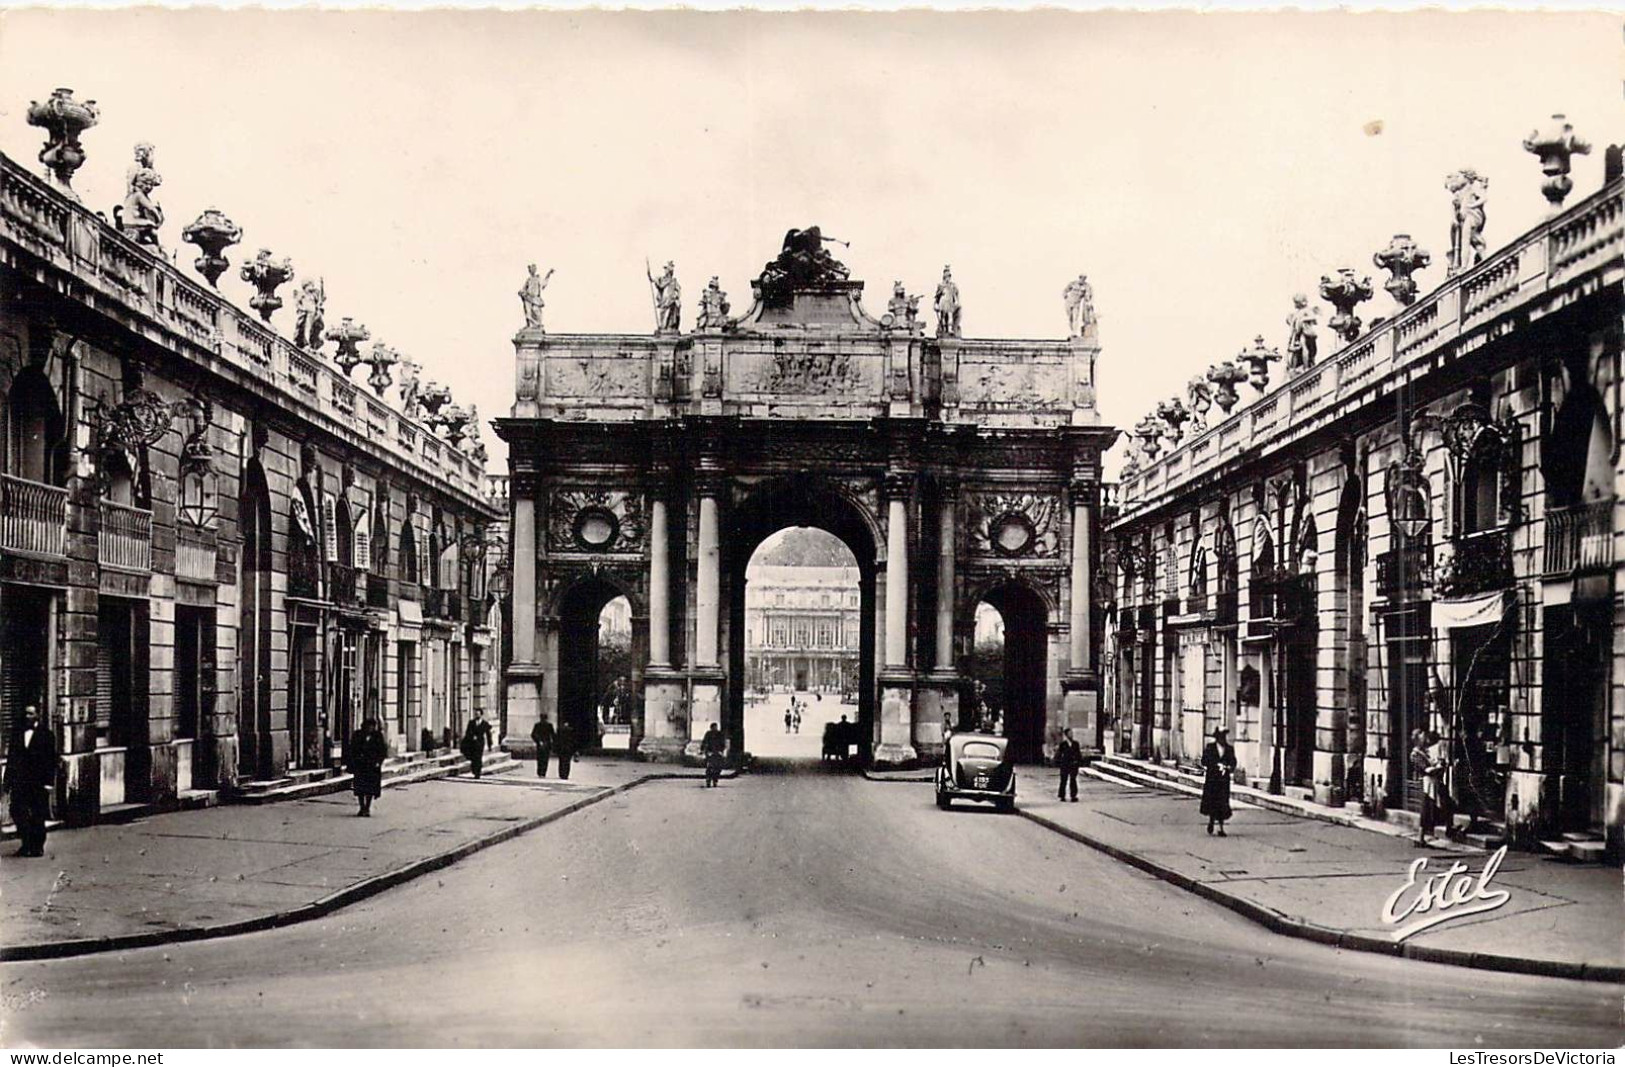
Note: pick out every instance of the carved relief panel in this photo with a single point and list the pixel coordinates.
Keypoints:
(1013, 525)
(595, 520)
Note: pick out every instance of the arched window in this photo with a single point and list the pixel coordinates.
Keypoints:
(380, 532)
(344, 529)
(1480, 494)
(34, 436)
(409, 553)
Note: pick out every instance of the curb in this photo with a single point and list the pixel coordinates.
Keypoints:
(316, 909)
(1286, 925)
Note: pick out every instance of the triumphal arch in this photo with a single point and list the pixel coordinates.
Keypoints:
(957, 470)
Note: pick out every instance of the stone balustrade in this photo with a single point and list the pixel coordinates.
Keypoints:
(1545, 258)
(160, 302)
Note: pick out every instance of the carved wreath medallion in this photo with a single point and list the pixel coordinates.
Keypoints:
(1013, 525)
(595, 520)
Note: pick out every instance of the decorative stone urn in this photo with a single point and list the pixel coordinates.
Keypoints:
(1258, 359)
(1345, 292)
(1225, 377)
(381, 359)
(63, 119)
(1402, 258)
(266, 275)
(213, 233)
(1149, 431)
(1555, 145)
(347, 335)
(454, 420)
(1174, 414)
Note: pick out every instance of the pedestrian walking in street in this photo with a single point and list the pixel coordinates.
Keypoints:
(565, 745)
(365, 757)
(713, 745)
(1219, 761)
(476, 741)
(789, 716)
(1068, 757)
(796, 721)
(542, 734)
(30, 777)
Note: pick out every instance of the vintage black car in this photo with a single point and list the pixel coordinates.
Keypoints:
(977, 767)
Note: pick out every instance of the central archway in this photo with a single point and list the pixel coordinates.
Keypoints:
(798, 502)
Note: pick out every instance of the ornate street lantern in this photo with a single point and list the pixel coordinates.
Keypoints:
(213, 233)
(1555, 145)
(1258, 359)
(1150, 432)
(1345, 292)
(265, 275)
(63, 119)
(347, 335)
(1225, 377)
(1402, 258)
(381, 359)
(1173, 413)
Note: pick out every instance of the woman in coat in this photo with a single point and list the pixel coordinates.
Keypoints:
(367, 752)
(1218, 760)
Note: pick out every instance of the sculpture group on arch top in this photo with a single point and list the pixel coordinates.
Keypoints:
(140, 217)
(803, 260)
(1555, 145)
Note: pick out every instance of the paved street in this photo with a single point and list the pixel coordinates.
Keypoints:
(785, 909)
(764, 724)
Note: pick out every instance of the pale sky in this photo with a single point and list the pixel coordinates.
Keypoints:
(1200, 168)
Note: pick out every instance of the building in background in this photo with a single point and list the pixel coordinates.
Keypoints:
(217, 551)
(802, 628)
(1418, 529)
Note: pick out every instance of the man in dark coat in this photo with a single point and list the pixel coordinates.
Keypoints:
(714, 745)
(1219, 761)
(476, 740)
(542, 734)
(1068, 757)
(30, 777)
(565, 746)
(365, 757)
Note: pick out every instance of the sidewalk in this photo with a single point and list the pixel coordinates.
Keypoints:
(224, 870)
(1329, 882)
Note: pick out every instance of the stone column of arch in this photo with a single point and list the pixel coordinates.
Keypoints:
(525, 677)
(938, 697)
(705, 670)
(1081, 692)
(895, 725)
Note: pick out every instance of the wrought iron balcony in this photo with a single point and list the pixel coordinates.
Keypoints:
(377, 591)
(1580, 539)
(33, 517)
(1224, 607)
(1196, 604)
(124, 541)
(1404, 573)
(1481, 563)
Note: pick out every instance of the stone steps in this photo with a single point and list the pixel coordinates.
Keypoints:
(1582, 846)
(398, 770)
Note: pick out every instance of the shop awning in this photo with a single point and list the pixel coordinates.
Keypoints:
(1486, 609)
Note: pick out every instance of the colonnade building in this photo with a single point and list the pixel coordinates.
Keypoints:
(1420, 528)
(217, 551)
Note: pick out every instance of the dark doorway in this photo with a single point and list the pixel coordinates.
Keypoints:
(25, 615)
(580, 683)
(1019, 682)
(1574, 707)
(1298, 762)
(1481, 665)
